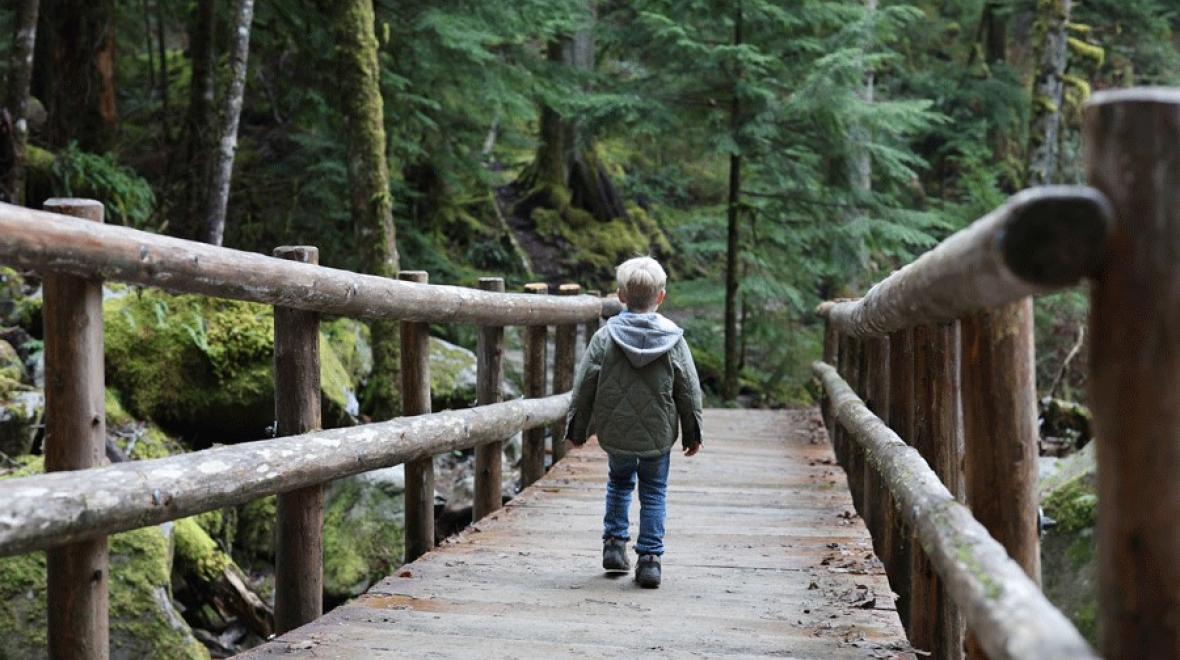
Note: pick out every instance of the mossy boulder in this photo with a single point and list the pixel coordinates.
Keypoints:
(21, 405)
(1068, 562)
(203, 367)
(143, 621)
(364, 532)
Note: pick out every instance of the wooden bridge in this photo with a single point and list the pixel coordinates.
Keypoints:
(928, 399)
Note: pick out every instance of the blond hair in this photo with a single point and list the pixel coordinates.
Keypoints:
(640, 281)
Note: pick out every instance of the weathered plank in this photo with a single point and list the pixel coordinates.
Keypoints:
(1042, 239)
(762, 560)
(51, 509)
(1002, 606)
(49, 242)
(415, 375)
(489, 386)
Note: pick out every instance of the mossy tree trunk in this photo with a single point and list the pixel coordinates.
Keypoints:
(213, 228)
(200, 128)
(74, 72)
(371, 204)
(1052, 54)
(729, 383)
(19, 77)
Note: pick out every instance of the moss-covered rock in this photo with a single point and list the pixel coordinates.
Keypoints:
(204, 367)
(364, 531)
(1068, 563)
(143, 623)
(21, 405)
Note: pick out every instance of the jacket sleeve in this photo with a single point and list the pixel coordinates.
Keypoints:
(585, 387)
(686, 391)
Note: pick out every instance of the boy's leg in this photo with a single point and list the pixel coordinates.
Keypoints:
(653, 489)
(618, 496)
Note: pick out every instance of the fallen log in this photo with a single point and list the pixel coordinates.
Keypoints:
(1002, 606)
(53, 509)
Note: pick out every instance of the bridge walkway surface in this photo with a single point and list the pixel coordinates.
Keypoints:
(765, 558)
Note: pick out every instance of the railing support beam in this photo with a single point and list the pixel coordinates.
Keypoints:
(532, 454)
(299, 550)
(415, 374)
(489, 384)
(564, 354)
(75, 439)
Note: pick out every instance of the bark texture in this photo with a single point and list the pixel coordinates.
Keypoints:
(1052, 54)
(239, 55)
(49, 242)
(357, 85)
(729, 381)
(75, 73)
(19, 79)
(489, 385)
(1001, 605)
(1040, 240)
(200, 128)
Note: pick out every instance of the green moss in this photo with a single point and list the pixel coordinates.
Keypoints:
(1073, 505)
(452, 375)
(254, 539)
(350, 341)
(197, 551)
(363, 536)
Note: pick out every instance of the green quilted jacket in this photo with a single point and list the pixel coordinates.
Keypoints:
(634, 386)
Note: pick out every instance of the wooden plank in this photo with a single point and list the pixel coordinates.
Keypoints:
(75, 439)
(299, 529)
(751, 569)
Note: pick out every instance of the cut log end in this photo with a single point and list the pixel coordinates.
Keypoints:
(1057, 235)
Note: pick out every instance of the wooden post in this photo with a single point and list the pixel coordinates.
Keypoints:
(489, 381)
(877, 398)
(844, 360)
(897, 547)
(832, 357)
(935, 622)
(854, 451)
(75, 439)
(564, 355)
(299, 550)
(593, 324)
(1133, 156)
(532, 458)
(415, 343)
(1000, 428)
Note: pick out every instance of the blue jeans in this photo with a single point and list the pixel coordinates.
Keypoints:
(653, 489)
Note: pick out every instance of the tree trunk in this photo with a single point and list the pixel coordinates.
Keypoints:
(199, 122)
(75, 73)
(552, 152)
(19, 77)
(214, 225)
(371, 204)
(165, 113)
(1052, 53)
(729, 387)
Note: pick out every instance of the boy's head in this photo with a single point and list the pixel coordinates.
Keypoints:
(641, 284)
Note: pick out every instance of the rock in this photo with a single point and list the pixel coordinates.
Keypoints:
(1068, 563)
(21, 406)
(144, 622)
(364, 532)
(1064, 426)
(203, 367)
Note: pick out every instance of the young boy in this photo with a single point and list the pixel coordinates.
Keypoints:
(635, 384)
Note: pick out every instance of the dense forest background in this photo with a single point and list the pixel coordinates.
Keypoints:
(771, 153)
(816, 144)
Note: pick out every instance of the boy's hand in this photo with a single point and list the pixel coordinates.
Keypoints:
(692, 450)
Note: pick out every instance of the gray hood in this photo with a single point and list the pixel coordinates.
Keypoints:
(643, 337)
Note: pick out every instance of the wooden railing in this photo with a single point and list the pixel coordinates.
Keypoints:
(71, 509)
(953, 331)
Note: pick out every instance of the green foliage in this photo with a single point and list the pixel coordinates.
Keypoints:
(128, 198)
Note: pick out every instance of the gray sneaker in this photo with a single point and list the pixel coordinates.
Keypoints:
(647, 571)
(614, 555)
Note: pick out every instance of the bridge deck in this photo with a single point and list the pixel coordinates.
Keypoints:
(763, 559)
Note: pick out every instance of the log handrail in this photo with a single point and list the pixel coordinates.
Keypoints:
(1041, 240)
(1001, 605)
(50, 509)
(43, 241)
